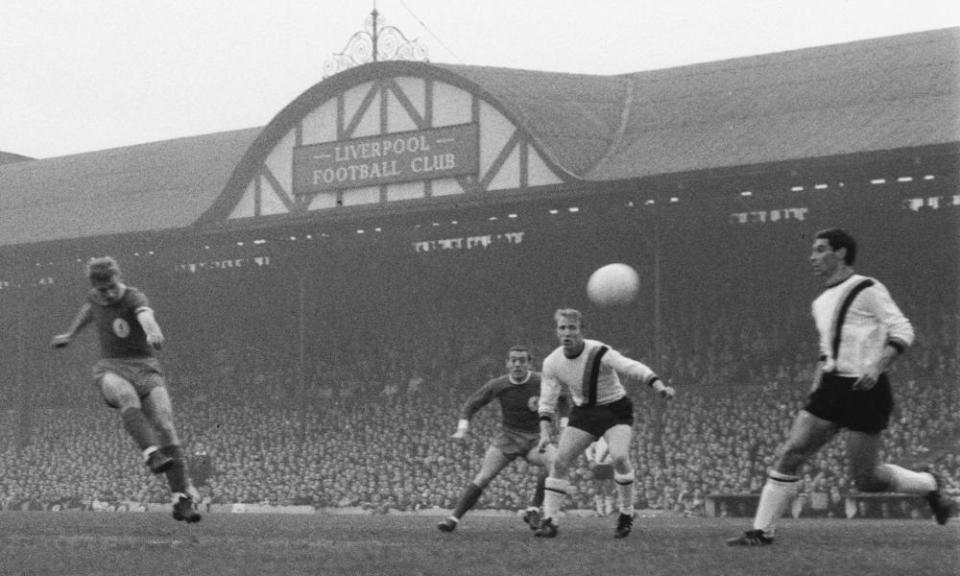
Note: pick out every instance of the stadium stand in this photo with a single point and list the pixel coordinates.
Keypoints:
(320, 342)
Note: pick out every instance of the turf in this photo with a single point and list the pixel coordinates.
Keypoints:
(149, 544)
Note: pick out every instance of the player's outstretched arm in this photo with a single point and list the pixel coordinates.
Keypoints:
(151, 328)
(664, 391)
(462, 426)
(83, 317)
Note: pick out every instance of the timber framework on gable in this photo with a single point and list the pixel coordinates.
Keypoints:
(384, 134)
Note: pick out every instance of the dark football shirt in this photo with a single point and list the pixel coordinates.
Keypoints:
(119, 330)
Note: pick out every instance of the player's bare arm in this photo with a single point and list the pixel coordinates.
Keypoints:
(82, 319)
(463, 425)
(151, 328)
(546, 432)
(872, 374)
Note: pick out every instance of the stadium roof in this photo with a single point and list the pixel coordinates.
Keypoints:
(876, 95)
(8, 157)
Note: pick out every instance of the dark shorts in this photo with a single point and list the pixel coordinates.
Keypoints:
(516, 444)
(144, 374)
(867, 411)
(603, 472)
(596, 420)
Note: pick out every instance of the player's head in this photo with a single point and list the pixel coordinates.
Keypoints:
(102, 269)
(519, 360)
(569, 329)
(104, 275)
(839, 239)
(568, 314)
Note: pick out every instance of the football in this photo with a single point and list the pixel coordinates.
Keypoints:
(613, 284)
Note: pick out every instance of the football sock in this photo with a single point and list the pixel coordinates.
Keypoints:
(610, 504)
(538, 492)
(139, 428)
(625, 491)
(555, 491)
(177, 474)
(906, 481)
(469, 497)
(778, 491)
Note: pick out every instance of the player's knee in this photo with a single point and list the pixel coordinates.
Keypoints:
(624, 478)
(790, 458)
(120, 400)
(560, 467)
(621, 463)
(869, 481)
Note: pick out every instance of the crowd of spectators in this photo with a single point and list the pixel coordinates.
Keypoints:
(366, 422)
(373, 432)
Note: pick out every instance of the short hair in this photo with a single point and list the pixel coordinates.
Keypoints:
(102, 269)
(838, 239)
(521, 348)
(569, 313)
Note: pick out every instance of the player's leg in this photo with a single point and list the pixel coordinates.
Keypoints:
(493, 462)
(159, 409)
(543, 461)
(119, 393)
(869, 475)
(611, 500)
(808, 434)
(618, 439)
(573, 441)
(864, 442)
(599, 497)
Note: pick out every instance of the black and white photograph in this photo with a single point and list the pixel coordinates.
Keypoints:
(424, 287)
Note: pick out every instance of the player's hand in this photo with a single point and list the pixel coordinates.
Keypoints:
(667, 393)
(817, 376)
(868, 380)
(543, 443)
(155, 340)
(61, 340)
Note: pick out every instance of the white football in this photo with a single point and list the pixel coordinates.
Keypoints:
(613, 284)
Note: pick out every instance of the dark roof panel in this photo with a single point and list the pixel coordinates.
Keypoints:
(139, 188)
(865, 96)
(9, 158)
(874, 95)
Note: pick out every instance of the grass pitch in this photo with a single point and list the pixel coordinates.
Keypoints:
(152, 544)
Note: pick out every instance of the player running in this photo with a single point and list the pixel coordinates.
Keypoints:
(518, 392)
(862, 331)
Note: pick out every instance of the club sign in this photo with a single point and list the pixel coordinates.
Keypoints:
(387, 158)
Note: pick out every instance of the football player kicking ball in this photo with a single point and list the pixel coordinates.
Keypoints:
(129, 375)
(601, 409)
(517, 392)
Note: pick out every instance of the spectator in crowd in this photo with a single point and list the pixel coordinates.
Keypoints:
(719, 443)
